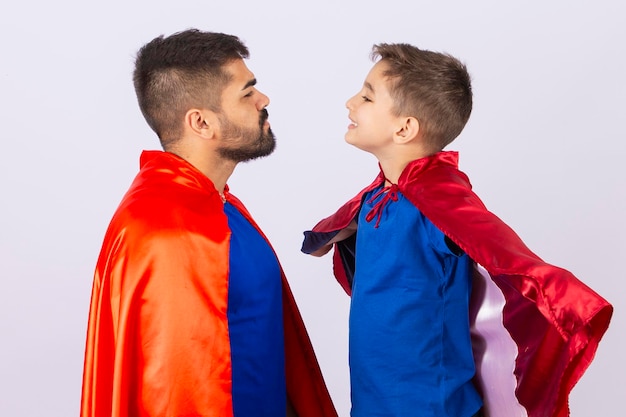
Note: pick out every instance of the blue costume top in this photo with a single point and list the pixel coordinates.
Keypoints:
(410, 347)
(255, 322)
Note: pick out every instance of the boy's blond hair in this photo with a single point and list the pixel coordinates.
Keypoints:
(433, 87)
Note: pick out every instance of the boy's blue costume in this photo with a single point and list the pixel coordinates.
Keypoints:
(555, 321)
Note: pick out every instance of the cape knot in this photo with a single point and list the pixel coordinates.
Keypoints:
(390, 194)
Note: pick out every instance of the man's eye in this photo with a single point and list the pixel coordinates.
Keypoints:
(249, 94)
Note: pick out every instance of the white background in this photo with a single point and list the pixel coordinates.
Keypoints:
(544, 148)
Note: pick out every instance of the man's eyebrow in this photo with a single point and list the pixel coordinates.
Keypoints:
(250, 83)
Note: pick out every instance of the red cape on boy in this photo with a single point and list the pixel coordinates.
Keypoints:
(554, 319)
(157, 339)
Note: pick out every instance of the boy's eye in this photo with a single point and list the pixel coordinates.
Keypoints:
(365, 98)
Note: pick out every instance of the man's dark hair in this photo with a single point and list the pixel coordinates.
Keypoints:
(433, 87)
(175, 73)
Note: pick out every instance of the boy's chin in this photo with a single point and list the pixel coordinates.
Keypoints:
(349, 141)
(359, 146)
(349, 138)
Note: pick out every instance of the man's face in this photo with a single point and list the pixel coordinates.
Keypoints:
(245, 131)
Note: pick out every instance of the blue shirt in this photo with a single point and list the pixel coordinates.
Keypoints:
(255, 322)
(410, 347)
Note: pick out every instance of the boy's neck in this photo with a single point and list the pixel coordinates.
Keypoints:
(393, 167)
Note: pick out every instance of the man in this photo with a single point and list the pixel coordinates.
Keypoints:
(191, 314)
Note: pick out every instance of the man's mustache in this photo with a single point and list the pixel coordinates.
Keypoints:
(264, 115)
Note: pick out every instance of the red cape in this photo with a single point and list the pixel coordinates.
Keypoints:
(555, 320)
(157, 339)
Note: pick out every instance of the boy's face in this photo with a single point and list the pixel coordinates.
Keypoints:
(373, 123)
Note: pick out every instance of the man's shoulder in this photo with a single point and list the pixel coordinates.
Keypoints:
(161, 210)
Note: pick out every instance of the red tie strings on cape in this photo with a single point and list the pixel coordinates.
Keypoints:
(391, 194)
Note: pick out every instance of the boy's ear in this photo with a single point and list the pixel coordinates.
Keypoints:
(203, 123)
(408, 130)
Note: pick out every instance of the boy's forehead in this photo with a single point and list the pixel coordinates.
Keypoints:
(376, 78)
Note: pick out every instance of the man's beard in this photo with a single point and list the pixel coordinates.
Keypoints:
(244, 144)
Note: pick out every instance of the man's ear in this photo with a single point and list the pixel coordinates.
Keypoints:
(408, 130)
(203, 123)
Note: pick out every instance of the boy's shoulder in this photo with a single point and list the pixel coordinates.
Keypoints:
(442, 167)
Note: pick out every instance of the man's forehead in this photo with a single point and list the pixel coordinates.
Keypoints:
(240, 76)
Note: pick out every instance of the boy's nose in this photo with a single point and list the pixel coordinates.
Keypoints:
(349, 103)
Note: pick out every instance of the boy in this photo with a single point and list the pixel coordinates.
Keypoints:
(406, 248)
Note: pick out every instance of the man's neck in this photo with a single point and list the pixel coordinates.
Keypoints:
(214, 167)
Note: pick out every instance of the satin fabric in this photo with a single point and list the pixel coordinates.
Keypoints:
(554, 319)
(157, 337)
(255, 322)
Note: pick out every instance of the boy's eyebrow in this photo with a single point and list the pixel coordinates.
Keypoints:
(368, 86)
(250, 83)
